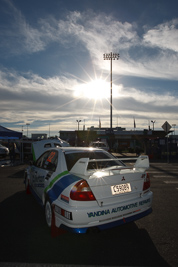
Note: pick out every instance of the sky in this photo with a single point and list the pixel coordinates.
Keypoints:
(52, 71)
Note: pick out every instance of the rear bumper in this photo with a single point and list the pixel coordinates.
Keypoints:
(122, 221)
(80, 220)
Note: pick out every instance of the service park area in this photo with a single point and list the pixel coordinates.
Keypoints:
(25, 240)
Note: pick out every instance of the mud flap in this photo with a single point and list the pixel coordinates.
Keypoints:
(55, 231)
(28, 192)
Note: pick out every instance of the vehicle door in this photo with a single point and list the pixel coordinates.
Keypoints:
(45, 166)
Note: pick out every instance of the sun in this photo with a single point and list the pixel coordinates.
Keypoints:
(96, 89)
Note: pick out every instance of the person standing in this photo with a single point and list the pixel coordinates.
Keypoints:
(12, 152)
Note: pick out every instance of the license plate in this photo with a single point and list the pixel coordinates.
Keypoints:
(121, 189)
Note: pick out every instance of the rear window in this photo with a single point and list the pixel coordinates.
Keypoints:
(72, 158)
(47, 145)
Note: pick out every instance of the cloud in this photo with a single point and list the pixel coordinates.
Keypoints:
(18, 36)
(145, 105)
(33, 97)
(163, 36)
(145, 97)
(152, 55)
(138, 56)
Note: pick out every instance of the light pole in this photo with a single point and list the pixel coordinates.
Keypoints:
(27, 128)
(78, 121)
(111, 56)
(153, 124)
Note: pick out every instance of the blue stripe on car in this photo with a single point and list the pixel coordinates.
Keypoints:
(59, 183)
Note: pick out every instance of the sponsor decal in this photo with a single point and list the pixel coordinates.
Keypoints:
(38, 181)
(98, 213)
(65, 198)
(126, 207)
(39, 185)
(118, 209)
(144, 202)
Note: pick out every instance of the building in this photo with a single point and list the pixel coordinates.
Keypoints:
(120, 140)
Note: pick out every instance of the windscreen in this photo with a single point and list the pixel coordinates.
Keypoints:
(73, 157)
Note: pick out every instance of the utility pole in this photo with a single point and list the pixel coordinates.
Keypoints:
(27, 128)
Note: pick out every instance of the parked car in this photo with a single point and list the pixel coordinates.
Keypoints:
(86, 188)
(99, 144)
(39, 147)
(4, 151)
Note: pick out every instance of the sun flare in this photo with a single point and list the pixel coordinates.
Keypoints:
(96, 89)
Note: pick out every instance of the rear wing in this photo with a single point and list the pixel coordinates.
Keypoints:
(142, 162)
(81, 166)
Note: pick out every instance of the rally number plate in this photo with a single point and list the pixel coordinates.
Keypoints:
(120, 189)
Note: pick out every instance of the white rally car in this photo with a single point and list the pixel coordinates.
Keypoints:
(86, 188)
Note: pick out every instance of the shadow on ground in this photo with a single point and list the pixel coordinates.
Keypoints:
(26, 238)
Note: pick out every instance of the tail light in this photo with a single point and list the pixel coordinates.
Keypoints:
(82, 192)
(146, 184)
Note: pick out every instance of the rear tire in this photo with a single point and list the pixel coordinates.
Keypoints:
(48, 213)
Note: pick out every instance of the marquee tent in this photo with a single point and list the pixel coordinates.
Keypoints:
(9, 134)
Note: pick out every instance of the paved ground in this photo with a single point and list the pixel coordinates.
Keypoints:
(151, 241)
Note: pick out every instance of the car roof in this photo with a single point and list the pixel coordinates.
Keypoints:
(78, 149)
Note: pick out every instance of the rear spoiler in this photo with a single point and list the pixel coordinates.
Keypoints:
(142, 162)
(80, 167)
